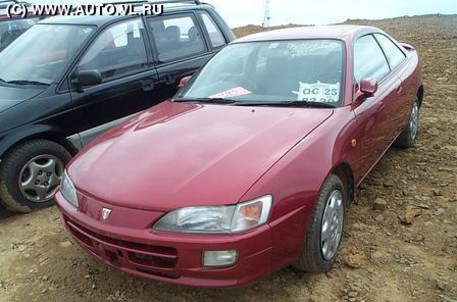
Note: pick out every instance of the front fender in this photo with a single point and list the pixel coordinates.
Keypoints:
(23, 133)
(297, 178)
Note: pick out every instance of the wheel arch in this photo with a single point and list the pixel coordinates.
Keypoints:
(420, 95)
(345, 173)
(38, 132)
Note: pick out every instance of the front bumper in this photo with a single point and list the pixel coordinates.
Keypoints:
(126, 242)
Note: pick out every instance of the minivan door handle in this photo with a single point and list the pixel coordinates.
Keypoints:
(148, 84)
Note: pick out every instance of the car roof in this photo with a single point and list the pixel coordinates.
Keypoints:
(102, 20)
(6, 18)
(341, 32)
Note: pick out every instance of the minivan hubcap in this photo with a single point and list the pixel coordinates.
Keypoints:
(332, 225)
(40, 177)
(413, 123)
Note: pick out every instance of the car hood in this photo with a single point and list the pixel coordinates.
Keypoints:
(180, 154)
(12, 96)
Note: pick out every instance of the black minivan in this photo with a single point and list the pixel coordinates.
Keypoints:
(68, 79)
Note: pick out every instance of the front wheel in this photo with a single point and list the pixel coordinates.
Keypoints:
(30, 175)
(325, 229)
(408, 137)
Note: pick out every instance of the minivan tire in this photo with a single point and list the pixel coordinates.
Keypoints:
(30, 174)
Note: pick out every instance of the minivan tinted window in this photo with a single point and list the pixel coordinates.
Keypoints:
(118, 50)
(176, 37)
(42, 52)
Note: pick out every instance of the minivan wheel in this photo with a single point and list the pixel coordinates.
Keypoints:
(325, 229)
(30, 175)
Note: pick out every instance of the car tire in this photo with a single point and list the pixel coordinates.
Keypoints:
(408, 137)
(31, 173)
(325, 229)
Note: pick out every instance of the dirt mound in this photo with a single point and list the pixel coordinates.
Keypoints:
(253, 29)
(400, 241)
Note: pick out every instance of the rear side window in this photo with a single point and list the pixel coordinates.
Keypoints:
(117, 51)
(369, 60)
(215, 35)
(176, 37)
(394, 55)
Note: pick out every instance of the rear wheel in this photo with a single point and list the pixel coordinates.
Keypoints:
(30, 175)
(408, 137)
(325, 229)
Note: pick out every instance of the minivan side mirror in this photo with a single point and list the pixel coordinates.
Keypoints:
(367, 88)
(184, 81)
(87, 78)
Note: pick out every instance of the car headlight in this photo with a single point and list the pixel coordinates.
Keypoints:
(220, 219)
(68, 190)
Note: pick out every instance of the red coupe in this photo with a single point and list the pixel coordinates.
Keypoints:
(251, 166)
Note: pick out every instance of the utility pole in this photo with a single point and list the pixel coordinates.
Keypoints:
(267, 17)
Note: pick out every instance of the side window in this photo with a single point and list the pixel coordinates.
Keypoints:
(117, 51)
(215, 35)
(176, 37)
(369, 60)
(393, 53)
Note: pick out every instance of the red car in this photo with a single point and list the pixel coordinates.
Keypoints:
(251, 166)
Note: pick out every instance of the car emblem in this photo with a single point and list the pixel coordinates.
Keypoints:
(105, 213)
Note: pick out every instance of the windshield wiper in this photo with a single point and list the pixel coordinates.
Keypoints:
(288, 104)
(241, 103)
(26, 82)
(208, 100)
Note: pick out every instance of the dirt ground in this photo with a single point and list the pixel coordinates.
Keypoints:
(400, 241)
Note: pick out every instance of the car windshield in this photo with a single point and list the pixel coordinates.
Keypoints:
(272, 73)
(10, 30)
(41, 53)
(5, 4)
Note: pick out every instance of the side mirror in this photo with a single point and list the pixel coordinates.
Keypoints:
(407, 46)
(367, 88)
(184, 81)
(87, 78)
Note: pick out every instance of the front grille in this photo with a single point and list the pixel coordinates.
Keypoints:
(120, 253)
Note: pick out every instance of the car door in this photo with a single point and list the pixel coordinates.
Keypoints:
(119, 53)
(377, 117)
(180, 49)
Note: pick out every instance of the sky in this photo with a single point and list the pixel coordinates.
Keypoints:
(243, 12)
(318, 12)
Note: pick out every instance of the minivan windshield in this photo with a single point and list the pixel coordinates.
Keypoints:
(11, 29)
(292, 72)
(39, 55)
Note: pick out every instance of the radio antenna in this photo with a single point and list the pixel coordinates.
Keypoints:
(267, 17)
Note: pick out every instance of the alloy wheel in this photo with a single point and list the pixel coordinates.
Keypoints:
(413, 122)
(332, 225)
(40, 177)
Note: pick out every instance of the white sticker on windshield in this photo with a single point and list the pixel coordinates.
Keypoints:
(234, 92)
(318, 92)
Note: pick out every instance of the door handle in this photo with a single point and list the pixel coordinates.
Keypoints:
(148, 84)
(170, 79)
